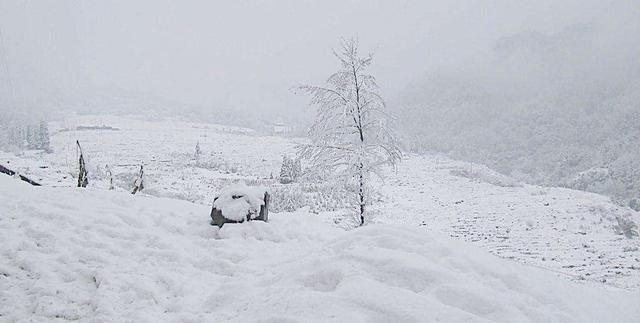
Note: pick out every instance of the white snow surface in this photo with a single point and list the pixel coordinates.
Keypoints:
(109, 256)
(572, 233)
(239, 200)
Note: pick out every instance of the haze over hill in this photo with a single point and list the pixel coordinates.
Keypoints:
(559, 108)
(320, 160)
(542, 90)
(243, 55)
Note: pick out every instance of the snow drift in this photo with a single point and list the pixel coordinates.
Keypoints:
(90, 255)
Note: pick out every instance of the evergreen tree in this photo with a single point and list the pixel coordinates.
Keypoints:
(31, 138)
(198, 151)
(44, 141)
(286, 170)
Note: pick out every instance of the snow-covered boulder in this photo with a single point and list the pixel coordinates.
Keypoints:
(239, 203)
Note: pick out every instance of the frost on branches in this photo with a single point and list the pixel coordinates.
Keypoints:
(350, 138)
(290, 170)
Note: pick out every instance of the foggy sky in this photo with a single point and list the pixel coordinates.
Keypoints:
(248, 54)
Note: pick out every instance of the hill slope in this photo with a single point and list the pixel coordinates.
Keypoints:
(581, 235)
(97, 255)
(575, 233)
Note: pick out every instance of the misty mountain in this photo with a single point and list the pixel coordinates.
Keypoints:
(554, 109)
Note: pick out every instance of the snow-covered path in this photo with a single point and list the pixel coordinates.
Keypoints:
(94, 255)
(567, 231)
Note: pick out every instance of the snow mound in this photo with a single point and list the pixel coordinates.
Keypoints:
(239, 200)
(89, 255)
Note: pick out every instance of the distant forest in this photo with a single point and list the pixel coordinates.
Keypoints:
(560, 110)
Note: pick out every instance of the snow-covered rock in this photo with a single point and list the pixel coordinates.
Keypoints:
(98, 255)
(239, 202)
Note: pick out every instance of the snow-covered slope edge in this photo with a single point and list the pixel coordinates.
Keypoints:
(108, 256)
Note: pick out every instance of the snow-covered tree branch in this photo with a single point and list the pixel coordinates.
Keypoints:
(350, 138)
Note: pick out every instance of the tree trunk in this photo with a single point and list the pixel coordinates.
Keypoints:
(83, 180)
(9, 172)
(361, 196)
(138, 184)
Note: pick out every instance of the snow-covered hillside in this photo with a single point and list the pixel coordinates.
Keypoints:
(574, 234)
(577, 234)
(165, 147)
(96, 255)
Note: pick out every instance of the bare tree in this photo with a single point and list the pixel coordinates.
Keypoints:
(350, 137)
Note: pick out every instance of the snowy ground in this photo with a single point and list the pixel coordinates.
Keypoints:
(166, 148)
(97, 255)
(571, 233)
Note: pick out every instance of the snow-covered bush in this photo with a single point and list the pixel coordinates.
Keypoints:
(625, 226)
(634, 204)
(123, 177)
(287, 198)
(591, 179)
(318, 197)
(214, 162)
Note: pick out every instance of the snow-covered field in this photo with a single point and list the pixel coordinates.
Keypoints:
(111, 254)
(107, 256)
(575, 233)
(166, 148)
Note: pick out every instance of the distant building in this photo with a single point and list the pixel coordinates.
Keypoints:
(281, 129)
